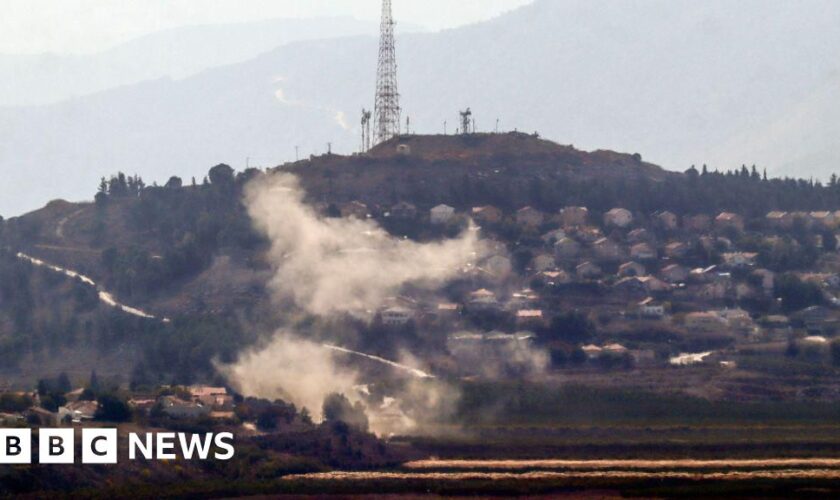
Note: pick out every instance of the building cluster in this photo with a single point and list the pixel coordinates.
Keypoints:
(697, 275)
(177, 403)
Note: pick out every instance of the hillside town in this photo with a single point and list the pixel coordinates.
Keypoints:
(654, 288)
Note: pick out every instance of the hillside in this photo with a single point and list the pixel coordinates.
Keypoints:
(186, 255)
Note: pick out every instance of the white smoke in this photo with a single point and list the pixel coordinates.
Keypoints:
(292, 369)
(330, 265)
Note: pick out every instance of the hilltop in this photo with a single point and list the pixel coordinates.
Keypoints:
(188, 251)
(509, 170)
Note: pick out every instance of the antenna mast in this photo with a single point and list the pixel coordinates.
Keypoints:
(466, 121)
(386, 119)
(366, 115)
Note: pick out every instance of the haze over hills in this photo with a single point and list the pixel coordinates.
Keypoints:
(679, 82)
(174, 53)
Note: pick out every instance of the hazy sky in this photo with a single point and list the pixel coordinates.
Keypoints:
(78, 26)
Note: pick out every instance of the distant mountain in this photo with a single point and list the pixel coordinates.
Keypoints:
(174, 53)
(675, 80)
(800, 140)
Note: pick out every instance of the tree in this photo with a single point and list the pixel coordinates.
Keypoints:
(835, 352)
(221, 175)
(572, 327)
(795, 293)
(337, 408)
(112, 409)
(305, 416)
(93, 384)
(63, 384)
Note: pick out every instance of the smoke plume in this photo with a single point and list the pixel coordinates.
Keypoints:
(330, 265)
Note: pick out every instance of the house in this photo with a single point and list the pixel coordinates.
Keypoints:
(498, 265)
(829, 280)
(713, 291)
(641, 284)
(529, 318)
(588, 234)
(702, 275)
(676, 250)
(618, 217)
(45, 418)
(776, 327)
(817, 319)
(704, 322)
(715, 244)
(779, 219)
(447, 310)
(566, 249)
(613, 348)
(650, 308)
(553, 278)
(587, 271)
(674, 273)
(739, 260)
(543, 262)
(12, 419)
(639, 235)
(178, 408)
(523, 299)
(592, 351)
(404, 210)
(396, 316)
(739, 321)
(355, 209)
(78, 411)
(574, 216)
(666, 220)
(490, 353)
(529, 217)
(441, 214)
(215, 397)
(629, 269)
(552, 237)
(606, 249)
(142, 403)
(726, 220)
(483, 299)
(487, 214)
(697, 223)
(643, 251)
(823, 219)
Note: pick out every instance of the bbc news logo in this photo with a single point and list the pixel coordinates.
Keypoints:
(99, 446)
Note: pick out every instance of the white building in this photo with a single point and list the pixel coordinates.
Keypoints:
(618, 217)
(396, 316)
(441, 214)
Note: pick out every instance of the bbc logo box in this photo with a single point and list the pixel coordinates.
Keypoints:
(57, 446)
